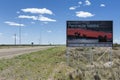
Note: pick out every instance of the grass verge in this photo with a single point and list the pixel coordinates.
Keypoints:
(41, 65)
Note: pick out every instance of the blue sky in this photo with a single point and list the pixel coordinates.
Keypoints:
(44, 21)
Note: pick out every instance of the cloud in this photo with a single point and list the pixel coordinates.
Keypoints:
(80, 2)
(46, 19)
(73, 8)
(13, 23)
(102, 5)
(84, 14)
(39, 18)
(28, 17)
(37, 11)
(49, 31)
(87, 2)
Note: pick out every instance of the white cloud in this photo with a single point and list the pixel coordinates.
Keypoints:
(80, 2)
(13, 23)
(28, 17)
(102, 5)
(84, 14)
(38, 11)
(49, 31)
(40, 18)
(46, 19)
(73, 7)
(87, 2)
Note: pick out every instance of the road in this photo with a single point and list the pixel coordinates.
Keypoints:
(11, 52)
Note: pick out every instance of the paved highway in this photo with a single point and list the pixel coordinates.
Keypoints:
(11, 52)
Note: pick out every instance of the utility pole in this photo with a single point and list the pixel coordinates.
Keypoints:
(40, 38)
(15, 39)
(19, 34)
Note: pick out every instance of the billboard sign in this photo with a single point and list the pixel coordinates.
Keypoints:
(89, 33)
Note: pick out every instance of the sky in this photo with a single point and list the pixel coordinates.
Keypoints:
(44, 21)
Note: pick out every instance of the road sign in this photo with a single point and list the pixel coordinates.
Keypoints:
(89, 33)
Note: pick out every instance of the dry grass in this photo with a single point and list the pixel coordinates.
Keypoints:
(35, 66)
(51, 64)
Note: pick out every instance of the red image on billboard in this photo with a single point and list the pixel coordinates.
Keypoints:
(89, 33)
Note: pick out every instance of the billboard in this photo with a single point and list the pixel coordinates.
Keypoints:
(89, 33)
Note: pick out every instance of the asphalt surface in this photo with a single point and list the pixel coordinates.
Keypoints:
(11, 52)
